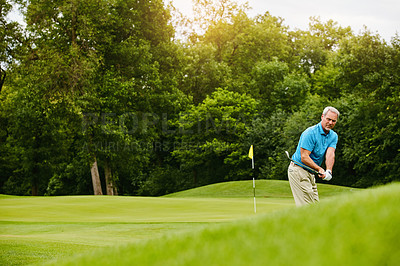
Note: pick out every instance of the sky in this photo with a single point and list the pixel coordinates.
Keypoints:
(382, 17)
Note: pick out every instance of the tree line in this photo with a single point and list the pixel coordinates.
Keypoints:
(129, 97)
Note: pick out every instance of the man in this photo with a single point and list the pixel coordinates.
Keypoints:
(315, 143)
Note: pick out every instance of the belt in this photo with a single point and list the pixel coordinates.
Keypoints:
(293, 164)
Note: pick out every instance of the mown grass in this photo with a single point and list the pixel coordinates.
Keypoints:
(360, 228)
(23, 243)
(264, 188)
(37, 229)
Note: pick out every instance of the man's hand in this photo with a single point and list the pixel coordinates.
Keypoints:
(328, 175)
(322, 173)
(305, 158)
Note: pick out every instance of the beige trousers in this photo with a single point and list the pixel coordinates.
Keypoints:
(303, 185)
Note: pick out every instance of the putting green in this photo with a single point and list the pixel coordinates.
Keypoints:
(133, 209)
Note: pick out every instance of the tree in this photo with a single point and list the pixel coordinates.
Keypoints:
(211, 146)
(40, 130)
(277, 88)
(105, 57)
(11, 39)
(317, 43)
(203, 73)
(208, 13)
(243, 42)
(369, 76)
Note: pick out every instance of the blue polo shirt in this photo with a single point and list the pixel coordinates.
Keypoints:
(315, 139)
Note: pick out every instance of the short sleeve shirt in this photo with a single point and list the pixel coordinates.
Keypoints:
(315, 140)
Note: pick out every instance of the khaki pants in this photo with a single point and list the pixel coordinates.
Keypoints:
(303, 185)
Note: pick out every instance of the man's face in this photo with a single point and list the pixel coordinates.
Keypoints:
(328, 121)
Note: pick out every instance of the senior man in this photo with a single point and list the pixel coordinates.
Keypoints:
(315, 143)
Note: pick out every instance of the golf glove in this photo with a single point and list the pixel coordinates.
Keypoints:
(328, 175)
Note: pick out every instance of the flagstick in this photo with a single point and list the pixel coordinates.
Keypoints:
(254, 190)
(251, 155)
(254, 185)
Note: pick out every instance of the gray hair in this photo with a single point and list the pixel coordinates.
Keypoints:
(332, 109)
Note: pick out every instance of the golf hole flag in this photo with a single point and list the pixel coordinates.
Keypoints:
(251, 156)
(251, 152)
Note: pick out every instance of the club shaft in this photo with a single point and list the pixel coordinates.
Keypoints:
(305, 166)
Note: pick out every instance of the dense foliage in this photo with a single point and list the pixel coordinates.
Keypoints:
(112, 97)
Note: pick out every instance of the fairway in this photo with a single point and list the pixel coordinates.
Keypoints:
(38, 229)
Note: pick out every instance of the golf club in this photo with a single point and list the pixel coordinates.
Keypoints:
(302, 165)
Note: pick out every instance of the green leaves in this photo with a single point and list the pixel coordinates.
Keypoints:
(216, 130)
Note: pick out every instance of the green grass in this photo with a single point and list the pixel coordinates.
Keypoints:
(38, 229)
(26, 242)
(264, 188)
(360, 228)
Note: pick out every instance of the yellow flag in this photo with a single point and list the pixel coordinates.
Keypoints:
(251, 152)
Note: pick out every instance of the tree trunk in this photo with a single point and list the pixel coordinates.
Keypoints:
(35, 190)
(96, 178)
(2, 78)
(109, 178)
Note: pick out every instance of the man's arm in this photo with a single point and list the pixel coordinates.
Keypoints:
(330, 158)
(305, 158)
